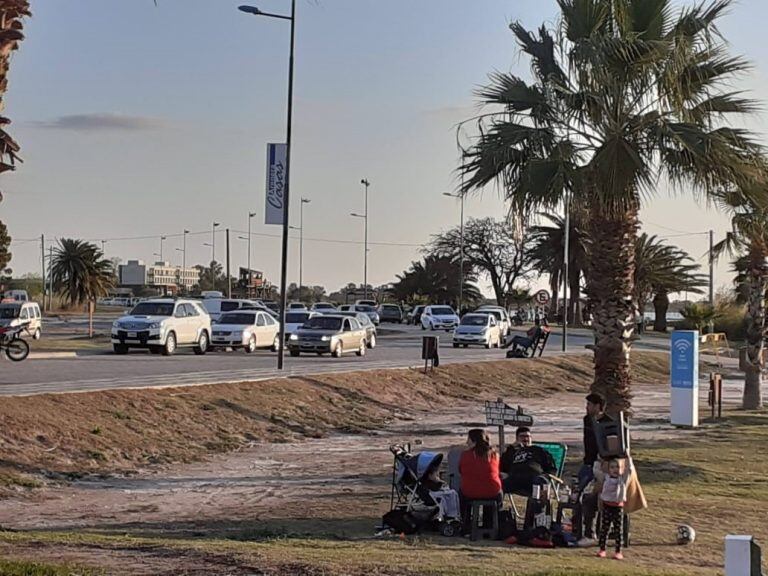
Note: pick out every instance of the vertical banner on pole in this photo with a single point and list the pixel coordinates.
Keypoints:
(275, 198)
(684, 377)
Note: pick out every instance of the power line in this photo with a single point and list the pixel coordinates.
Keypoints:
(679, 232)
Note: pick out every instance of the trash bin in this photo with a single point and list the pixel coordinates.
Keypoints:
(430, 351)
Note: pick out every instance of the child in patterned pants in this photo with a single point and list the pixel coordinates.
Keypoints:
(613, 497)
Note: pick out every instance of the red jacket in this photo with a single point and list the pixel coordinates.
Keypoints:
(479, 476)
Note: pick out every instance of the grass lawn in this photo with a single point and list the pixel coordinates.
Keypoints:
(715, 479)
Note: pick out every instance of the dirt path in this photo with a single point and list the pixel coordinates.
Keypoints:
(334, 485)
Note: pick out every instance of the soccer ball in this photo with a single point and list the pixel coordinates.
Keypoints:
(685, 534)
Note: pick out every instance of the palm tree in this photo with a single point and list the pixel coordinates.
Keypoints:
(81, 274)
(661, 269)
(548, 253)
(748, 241)
(625, 93)
(434, 280)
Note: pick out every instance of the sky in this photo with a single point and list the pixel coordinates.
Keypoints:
(139, 121)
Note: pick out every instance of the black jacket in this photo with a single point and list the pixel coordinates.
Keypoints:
(590, 439)
(527, 462)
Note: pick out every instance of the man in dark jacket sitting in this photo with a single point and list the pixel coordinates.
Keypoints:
(524, 465)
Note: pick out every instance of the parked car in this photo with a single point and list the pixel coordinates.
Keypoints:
(365, 309)
(390, 313)
(439, 318)
(247, 329)
(297, 306)
(217, 306)
(414, 316)
(324, 308)
(365, 322)
(272, 305)
(15, 296)
(371, 303)
(162, 325)
(294, 319)
(502, 318)
(332, 333)
(478, 329)
(22, 313)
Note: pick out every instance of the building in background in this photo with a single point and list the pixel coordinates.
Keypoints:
(161, 276)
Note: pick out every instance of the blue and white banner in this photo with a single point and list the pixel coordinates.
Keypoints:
(275, 199)
(684, 359)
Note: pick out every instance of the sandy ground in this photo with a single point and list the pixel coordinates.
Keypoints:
(334, 484)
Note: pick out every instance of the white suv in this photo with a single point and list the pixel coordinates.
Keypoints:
(162, 325)
(439, 318)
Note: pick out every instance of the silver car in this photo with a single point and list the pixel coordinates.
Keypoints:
(329, 334)
(479, 329)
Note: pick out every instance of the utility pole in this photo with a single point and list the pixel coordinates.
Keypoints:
(184, 262)
(566, 260)
(50, 277)
(42, 264)
(213, 255)
(250, 277)
(711, 268)
(229, 276)
(301, 246)
(364, 216)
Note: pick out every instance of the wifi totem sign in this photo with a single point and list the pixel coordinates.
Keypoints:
(684, 377)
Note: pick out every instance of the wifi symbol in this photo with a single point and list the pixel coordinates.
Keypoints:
(682, 346)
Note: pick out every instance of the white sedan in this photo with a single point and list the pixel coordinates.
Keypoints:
(247, 329)
(478, 329)
(294, 319)
(439, 318)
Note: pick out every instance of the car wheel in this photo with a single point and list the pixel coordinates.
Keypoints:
(251, 346)
(276, 344)
(361, 349)
(37, 335)
(202, 344)
(465, 345)
(372, 342)
(338, 350)
(455, 345)
(295, 353)
(170, 344)
(120, 349)
(155, 349)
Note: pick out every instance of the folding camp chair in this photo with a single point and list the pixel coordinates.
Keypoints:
(558, 451)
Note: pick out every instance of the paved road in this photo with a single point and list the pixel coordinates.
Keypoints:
(140, 369)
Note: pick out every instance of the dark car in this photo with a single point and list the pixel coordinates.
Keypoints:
(365, 322)
(414, 316)
(390, 313)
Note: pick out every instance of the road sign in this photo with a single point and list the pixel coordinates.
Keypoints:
(500, 414)
(541, 297)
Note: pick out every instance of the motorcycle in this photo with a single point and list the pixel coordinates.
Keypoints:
(518, 318)
(16, 348)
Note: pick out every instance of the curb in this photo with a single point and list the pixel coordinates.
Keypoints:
(51, 355)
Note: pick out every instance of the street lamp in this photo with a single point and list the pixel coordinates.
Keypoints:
(213, 253)
(286, 188)
(461, 247)
(301, 245)
(184, 259)
(364, 216)
(162, 239)
(250, 280)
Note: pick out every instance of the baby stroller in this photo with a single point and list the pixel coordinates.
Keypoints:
(419, 499)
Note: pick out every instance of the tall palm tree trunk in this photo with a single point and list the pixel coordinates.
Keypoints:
(752, 362)
(610, 279)
(574, 296)
(660, 307)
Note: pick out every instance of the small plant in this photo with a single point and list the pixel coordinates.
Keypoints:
(96, 430)
(700, 315)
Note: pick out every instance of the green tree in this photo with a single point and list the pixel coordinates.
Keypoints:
(492, 248)
(81, 274)
(624, 93)
(661, 269)
(548, 253)
(748, 242)
(433, 280)
(5, 244)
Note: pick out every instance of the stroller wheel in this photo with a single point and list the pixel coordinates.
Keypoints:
(449, 530)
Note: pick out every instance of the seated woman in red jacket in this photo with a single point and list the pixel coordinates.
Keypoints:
(479, 469)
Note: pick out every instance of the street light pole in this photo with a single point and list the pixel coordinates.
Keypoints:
(286, 188)
(162, 239)
(461, 197)
(213, 255)
(566, 260)
(365, 183)
(250, 278)
(301, 246)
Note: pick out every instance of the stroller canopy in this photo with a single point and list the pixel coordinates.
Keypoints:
(419, 465)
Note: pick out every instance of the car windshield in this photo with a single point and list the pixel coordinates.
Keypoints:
(495, 313)
(227, 306)
(296, 317)
(9, 312)
(474, 320)
(323, 323)
(323, 305)
(390, 308)
(242, 318)
(153, 309)
(442, 311)
(364, 308)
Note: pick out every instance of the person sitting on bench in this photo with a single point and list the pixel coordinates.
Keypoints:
(531, 335)
(524, 465)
